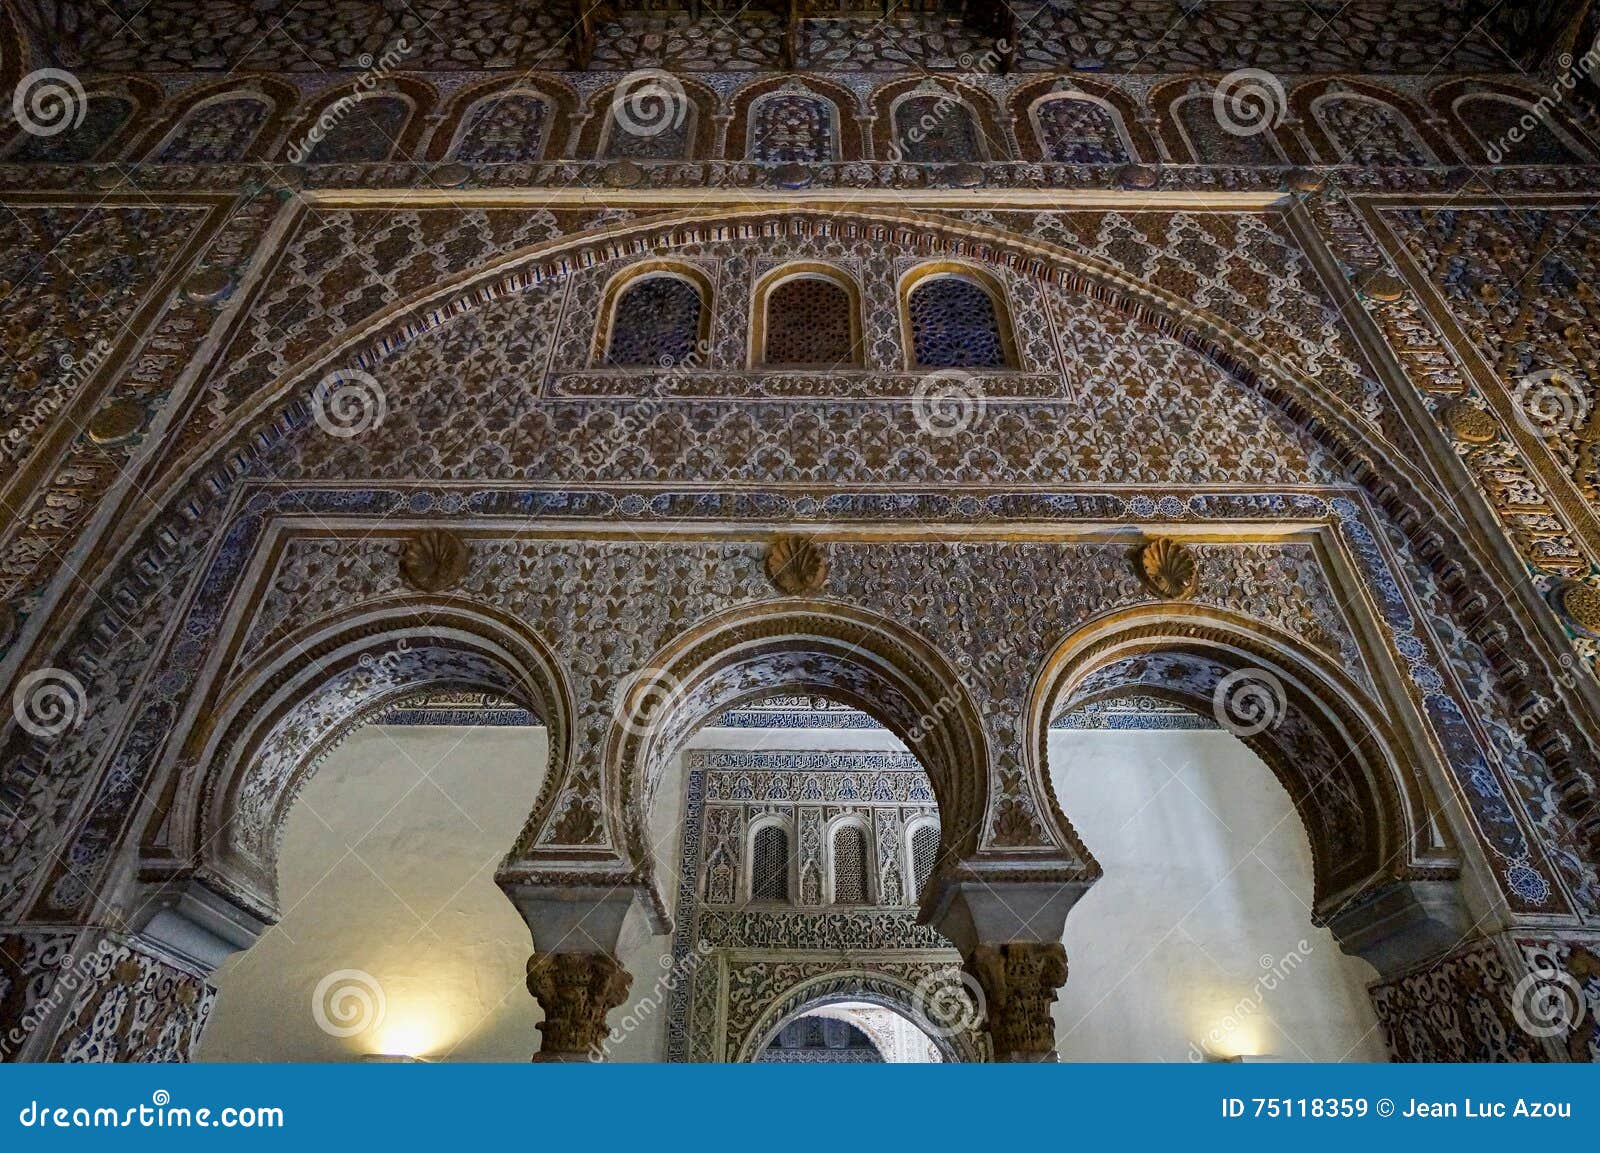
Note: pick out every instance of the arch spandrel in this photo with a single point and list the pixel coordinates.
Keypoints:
(1354, 776)
(775, 649)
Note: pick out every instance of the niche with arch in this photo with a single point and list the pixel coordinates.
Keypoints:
(806, 316)
(955, 317)
(655, 315)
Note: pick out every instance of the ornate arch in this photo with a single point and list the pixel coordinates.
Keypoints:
(703, 103)
(560, 100)
(844, 107)
(1446, 99)
(279, 97)
(1028, 98)
(1167, 99)
(1350, 769)
(992, 140)
(1307, 98)
(262, 736)
(876, 987)
(419, 94)
(767, 649)
(143, 98)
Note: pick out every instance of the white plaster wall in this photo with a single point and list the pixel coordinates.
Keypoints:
(1192, 941)
(388, 868)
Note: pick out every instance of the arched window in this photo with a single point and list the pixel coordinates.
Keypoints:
(924, 852)
(793, 127)
(503, 129)
(1513, 133)
(956, 323)
(1368, 132)
(215, 133)
(1076, 130)
(809, 321)
(936, 128)
(1212, 143)
(362, 130)
(849, 866)
(769, 864)
(658, 321)
(102, 119)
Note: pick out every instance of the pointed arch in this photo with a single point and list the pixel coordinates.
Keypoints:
(459, 116)
(279, 97)
(840, 103)
(1310, 103)
(916, 102)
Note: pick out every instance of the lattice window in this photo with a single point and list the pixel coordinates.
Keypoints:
(809, 324)
(954, 324)
(1502, 126)
(849, 866)
(504, 130)
(215, 133)
(924, 851)
(1367, 132)
(656, 322)
(793, 127)
(1077, 131)
(101, 121)
(365, 132)
(1214, 144)
(936, 130)
(769, 867)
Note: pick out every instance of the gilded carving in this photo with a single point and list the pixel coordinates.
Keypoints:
(1470, 424)
(576, 991)
(118, 421)
(797, 565)
(1168, 568)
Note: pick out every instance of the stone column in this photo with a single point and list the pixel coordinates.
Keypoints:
(1009, 932)
(576, 991)
(1019, 981)
(574, 973)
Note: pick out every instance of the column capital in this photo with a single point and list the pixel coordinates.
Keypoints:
(576, 991)
(1019, 981)
(1398, 926)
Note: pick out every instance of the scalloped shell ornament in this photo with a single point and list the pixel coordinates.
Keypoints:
(433, 561)
(1168, 568)
(796, 564)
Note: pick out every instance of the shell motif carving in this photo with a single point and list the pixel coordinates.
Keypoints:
(1168, 568)
(433, 561)
(796, 564)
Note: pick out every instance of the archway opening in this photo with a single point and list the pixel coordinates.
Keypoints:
(1212, 796)
(850, 1032)
(393, 941)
